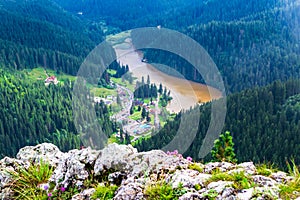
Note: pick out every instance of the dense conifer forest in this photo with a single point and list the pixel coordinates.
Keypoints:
(32, 113)
(264, 123)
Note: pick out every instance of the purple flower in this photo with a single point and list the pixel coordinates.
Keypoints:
(62, 189)
(49, 194)
(175, 152)
(189, 158)
(46, 187)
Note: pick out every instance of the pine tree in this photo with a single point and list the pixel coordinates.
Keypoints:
(144, 113)
(223, 149)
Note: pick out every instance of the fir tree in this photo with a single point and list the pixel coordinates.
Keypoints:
(223, 149)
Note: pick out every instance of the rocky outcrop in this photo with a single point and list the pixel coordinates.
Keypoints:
(133, 171)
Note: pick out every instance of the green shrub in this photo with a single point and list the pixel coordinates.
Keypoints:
(104, 192)
(163, 191)
(239, 179)
(265, 169)
(195, 166)
(211, 194)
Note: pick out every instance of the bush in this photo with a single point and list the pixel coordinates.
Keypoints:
(163, 191)
(104, 192)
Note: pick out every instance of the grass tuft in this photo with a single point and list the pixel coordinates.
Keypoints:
(291, 190)
(25, 182)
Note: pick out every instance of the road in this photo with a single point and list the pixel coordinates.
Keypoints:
(126, 97)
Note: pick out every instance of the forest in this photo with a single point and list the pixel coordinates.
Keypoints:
(32, 113)
(264, 122)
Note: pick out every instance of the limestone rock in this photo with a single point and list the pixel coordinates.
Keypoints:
(114, 157)
(245, 194)
(249, 167)
(45, 151)
(222, 166)
(219, 186)
(85, 194)
(190, 196)
(132, 171)
(189, 178)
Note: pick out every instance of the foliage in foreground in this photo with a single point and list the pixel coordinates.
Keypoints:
(291, 190)
(104, 192)
(26, 182)
(164, 191)
(240, 179)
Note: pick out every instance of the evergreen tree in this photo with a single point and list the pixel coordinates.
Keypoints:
(223, 149)
(144, 113)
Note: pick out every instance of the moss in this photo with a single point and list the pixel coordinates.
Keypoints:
(196, 166)
(239, 179)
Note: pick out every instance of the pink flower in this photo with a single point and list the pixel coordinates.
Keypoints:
(49, 194)
(189, 158)
(175, 152)
(62, 189)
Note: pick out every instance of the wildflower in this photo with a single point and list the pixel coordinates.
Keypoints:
(45, 187)
(62, 189)
(49, 194)
(189, 158)
(175, 152)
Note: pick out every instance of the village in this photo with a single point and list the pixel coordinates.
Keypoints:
(130, 116)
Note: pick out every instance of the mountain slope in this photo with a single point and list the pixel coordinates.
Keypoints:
(40, 33)
(264, 123)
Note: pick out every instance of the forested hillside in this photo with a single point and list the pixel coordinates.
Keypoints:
(40, 33)
(32, 113)
(252, 48)
(124, 15)
(264, 122)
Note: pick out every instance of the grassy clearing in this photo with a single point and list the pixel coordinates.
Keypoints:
(39, 74)
(103, 92)
(136, 115)
(123, 83)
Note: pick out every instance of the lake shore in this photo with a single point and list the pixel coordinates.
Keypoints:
(185, 93)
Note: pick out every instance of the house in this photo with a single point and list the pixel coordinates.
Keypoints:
(51, 79)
